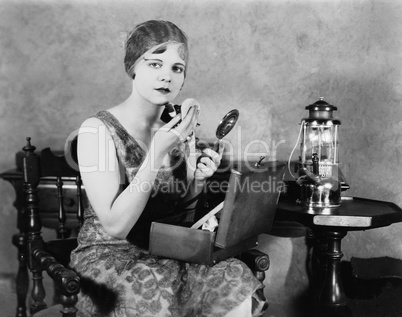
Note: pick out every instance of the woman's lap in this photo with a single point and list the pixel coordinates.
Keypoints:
(147, 286)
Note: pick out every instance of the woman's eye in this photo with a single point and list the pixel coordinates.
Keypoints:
(178, 69)
(155, 65)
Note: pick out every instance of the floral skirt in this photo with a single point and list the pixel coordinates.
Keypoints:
(127, 281)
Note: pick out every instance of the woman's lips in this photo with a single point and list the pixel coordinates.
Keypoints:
(163, 90)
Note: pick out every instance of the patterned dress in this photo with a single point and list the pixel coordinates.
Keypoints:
(120, 278)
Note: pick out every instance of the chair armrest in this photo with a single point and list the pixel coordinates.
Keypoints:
(257, 261)
(67, 279)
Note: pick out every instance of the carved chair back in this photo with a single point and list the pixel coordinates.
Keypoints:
(46, 180)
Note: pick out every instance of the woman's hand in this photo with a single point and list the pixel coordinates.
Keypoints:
(172, 133)
(208, 164)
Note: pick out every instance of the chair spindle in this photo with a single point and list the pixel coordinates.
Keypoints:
(62, 230)
(31, 181)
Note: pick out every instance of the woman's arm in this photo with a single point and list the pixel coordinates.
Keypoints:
(118, 210)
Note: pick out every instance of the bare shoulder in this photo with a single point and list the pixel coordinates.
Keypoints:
(93, 139)
(92, 122)
(93, 128)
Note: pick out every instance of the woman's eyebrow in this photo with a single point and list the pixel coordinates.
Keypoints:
(152, 59)
(181, 64)
(161, 61)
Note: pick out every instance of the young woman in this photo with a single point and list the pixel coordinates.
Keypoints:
(135, 169)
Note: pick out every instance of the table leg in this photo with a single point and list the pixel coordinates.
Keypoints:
(332, 299)
(315, 262)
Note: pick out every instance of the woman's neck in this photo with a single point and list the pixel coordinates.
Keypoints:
(138, 116)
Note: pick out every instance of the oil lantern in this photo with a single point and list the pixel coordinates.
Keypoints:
(319, 158)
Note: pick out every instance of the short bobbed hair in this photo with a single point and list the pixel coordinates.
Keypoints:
(148, 35)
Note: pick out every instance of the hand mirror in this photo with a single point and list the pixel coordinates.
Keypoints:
(225, 126)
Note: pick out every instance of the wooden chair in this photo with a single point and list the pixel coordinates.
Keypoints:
(48, 182)
(47, 173)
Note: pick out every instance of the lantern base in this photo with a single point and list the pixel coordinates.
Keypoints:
(324, 195)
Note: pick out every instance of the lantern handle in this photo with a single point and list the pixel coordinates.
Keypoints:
(294, 148)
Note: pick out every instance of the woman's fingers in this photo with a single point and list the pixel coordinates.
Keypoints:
(182, 130)
(186, 127)
(175, 120)
(190, 120)
(208, 165)
(178, 134)
(215, 157)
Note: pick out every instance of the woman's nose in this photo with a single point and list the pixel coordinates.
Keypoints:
(165, 75)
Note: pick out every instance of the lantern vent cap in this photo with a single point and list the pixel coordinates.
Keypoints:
(321, 109)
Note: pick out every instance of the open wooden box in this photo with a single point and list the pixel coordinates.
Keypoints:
(249, 209)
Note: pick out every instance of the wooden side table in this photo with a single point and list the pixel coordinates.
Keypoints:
(328, 226)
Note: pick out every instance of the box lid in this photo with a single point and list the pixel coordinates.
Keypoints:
(250, 203)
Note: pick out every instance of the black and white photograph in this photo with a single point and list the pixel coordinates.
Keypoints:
(201, 158)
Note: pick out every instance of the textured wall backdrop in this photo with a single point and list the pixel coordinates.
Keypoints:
(61, 61)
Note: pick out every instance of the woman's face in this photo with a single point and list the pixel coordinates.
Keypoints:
(160, 76)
